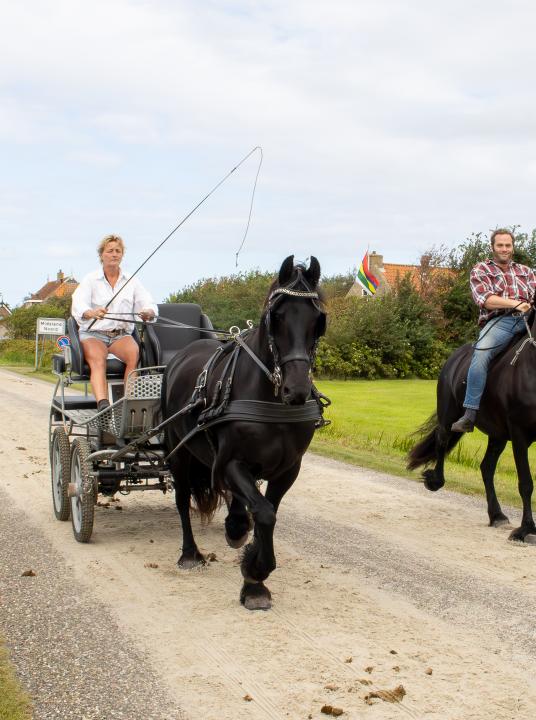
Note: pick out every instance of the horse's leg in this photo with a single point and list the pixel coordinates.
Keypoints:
(261, 550)
(434, 478)
(180, 466)
(524, 478)
(237, 524)
(258, 560)
(487, 468)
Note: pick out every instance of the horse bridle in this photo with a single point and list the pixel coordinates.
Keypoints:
(274, 299)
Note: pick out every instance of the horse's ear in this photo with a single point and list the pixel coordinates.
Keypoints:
(286, 271)
(312, 274)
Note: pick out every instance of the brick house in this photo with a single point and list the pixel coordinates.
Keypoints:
(390, 273)
(60, 287)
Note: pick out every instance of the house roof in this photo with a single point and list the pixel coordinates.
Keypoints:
(394, 272)
(4, 311)
(55, 288)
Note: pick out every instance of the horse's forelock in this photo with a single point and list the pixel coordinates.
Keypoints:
(311, 277)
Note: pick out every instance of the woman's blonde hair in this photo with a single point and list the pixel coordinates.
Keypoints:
(108, 239)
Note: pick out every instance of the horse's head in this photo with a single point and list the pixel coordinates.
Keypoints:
(295, 319)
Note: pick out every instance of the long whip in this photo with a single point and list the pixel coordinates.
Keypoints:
(185, 218)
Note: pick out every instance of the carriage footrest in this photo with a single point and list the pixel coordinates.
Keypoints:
(75, 402)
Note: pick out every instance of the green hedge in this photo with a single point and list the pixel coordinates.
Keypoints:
(22, 352)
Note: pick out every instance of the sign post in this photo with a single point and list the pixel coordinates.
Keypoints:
(47, 328)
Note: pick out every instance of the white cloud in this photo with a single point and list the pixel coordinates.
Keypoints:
(402, 124)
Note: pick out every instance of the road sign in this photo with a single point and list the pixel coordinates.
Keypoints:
(50, 326)
(47, 327)
(63, 341)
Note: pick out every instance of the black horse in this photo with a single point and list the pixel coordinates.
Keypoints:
(507, 412)
(229, 458)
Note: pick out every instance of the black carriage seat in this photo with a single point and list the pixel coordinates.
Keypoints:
(115, 369)
(162, 343)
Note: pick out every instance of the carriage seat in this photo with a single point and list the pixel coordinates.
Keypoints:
(115, 369)
(162, 343)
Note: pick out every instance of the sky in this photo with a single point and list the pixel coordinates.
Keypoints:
(389, 125)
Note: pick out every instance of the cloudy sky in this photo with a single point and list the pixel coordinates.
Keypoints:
(388, 124)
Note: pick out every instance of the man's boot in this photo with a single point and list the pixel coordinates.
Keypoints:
(466, 423)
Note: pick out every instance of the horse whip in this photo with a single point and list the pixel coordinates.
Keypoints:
(190, 214)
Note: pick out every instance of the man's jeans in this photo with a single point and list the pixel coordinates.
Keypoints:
(495, 335)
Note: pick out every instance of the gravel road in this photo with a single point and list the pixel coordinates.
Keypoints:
(389, 601)
(69, 651)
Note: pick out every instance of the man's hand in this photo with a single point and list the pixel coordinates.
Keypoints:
(146, 314)
(496, 302)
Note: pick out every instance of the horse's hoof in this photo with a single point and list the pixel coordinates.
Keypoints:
(431, 482)
(189, 563)
(516, 536)
(530, 539)
(236, 543)
(499, 522)
(257, 603)
(255, 596)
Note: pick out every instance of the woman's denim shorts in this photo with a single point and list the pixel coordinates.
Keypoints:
(96, 335)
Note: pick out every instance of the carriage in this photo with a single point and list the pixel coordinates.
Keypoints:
(119, 449)
(209, 419)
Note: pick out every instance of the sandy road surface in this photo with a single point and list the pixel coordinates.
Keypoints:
(379, 584)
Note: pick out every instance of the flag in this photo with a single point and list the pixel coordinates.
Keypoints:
(365, 278)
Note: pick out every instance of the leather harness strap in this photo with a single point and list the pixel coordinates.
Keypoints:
(260, 412)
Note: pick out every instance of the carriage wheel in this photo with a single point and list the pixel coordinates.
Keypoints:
(60, 471)
(82, 491)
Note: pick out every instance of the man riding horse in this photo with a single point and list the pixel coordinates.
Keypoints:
(497, 285)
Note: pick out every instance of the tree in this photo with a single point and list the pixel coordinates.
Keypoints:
(23, 320)
(230, 300)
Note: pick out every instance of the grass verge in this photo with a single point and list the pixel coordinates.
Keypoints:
(28, 371)
(373, 423)
(14, 702)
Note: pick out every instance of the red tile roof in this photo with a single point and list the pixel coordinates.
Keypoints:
(393, 273)
(55, 288)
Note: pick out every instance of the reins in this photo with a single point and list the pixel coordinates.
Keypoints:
(527, 341)
(163, 321)
(222, 409)
(530, 340)
(498, 319)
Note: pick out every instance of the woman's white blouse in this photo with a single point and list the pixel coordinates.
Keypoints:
(95, 291)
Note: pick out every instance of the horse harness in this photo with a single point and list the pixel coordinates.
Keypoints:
(221, 409)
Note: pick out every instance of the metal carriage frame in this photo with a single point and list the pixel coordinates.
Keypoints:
(117, 449)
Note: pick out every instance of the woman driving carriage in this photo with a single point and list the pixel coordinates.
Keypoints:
(107, 335)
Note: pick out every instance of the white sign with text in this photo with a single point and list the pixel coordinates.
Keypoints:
(50, 326)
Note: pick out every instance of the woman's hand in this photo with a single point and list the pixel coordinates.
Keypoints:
(146, 314)
(97, 313)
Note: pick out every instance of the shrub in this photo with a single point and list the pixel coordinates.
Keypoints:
(22, 352)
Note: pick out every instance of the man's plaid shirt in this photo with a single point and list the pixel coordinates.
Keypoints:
(517, 282)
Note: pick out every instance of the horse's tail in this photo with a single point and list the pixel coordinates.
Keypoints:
(204, 488)
(433, 446)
